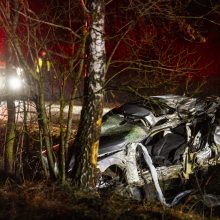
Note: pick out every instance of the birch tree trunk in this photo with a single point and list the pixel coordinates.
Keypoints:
(87, 139)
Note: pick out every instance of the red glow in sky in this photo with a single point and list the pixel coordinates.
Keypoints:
(2, 44)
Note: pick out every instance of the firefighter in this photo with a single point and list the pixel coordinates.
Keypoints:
(43, 63)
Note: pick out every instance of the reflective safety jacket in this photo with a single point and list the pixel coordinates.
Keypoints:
(41, 64)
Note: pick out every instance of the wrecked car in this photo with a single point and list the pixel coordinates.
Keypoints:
(158, 138)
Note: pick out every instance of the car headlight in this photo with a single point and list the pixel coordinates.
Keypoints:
(14, 83)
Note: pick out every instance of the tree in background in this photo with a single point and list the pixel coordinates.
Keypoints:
(158, 46)
(51, 30)
(11, 19)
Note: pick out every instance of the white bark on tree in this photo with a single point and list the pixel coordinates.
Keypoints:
(87, 139)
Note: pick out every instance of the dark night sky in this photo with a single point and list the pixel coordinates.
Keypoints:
(207, 52)
(210, 50)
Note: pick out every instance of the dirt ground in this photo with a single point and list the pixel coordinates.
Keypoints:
(40, 199)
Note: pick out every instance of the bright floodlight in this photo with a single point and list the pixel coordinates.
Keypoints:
(15, 83)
